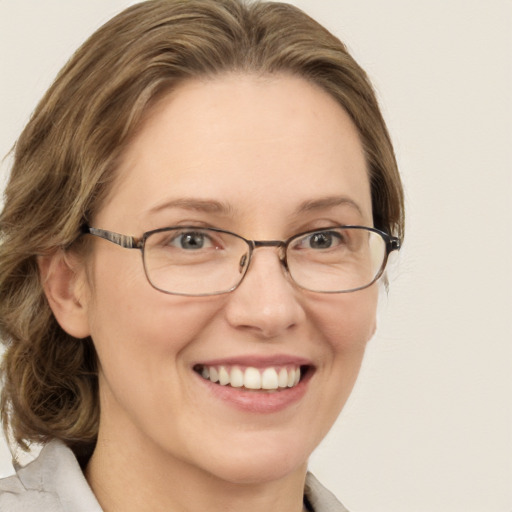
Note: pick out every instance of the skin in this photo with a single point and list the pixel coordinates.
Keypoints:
(263, 146)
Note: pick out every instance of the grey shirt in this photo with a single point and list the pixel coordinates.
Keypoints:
(54, 482)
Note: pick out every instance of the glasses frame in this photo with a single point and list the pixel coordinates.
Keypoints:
(392, 243)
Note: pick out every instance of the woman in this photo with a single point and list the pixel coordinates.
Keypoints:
(240, 150)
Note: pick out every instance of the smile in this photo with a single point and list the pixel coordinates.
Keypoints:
(272, 378)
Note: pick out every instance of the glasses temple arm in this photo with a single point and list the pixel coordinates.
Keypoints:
(126, 241)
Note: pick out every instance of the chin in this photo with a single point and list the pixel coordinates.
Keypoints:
(265, 460)
(256, 472)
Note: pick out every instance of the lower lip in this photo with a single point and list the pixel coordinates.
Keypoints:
(255, 401)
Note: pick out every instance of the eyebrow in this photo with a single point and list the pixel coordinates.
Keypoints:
(200, 205)
(328, 202)
(221, 208)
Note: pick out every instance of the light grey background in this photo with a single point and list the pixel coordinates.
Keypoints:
(429, 426)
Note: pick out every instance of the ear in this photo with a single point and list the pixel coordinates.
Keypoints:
(65, 286)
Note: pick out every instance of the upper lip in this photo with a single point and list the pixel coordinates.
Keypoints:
(257, 361)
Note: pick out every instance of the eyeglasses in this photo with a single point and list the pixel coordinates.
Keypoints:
(195, 261)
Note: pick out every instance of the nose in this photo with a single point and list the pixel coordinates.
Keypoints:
(266, 302)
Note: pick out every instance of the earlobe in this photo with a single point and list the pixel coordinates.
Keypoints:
(64, 284)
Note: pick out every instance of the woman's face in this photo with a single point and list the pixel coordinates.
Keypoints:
(264, 157)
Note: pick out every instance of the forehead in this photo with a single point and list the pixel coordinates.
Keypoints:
(256, 144)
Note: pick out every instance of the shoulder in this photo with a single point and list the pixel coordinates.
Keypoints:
(319, 498)
(53, 482)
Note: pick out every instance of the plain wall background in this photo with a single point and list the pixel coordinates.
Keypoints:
(429, 425)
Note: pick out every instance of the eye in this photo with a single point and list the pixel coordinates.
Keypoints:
(191, 241)
(321, 240)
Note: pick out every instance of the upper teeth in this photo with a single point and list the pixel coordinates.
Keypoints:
(253, 378)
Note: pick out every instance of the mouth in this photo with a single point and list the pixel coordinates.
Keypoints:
(268, 379)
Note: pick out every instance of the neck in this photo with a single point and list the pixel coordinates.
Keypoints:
(158, 482)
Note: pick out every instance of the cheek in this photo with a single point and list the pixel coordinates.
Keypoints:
(149, 326)
(346, 324)
(143, 360)
(134, 326)
(347, 321)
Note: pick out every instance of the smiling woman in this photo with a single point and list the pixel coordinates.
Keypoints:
(241, 151)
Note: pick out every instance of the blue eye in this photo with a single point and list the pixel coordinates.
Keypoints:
(191, 240)
(322, 240)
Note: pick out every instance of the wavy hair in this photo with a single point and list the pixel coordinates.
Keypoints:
(65, 161)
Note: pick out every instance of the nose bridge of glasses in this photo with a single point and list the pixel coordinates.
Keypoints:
(268, 243)
(279, 244)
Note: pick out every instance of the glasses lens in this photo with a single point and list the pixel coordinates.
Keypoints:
(336, 260)
(194, 261)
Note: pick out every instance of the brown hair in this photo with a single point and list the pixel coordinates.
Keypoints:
(66, 157)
